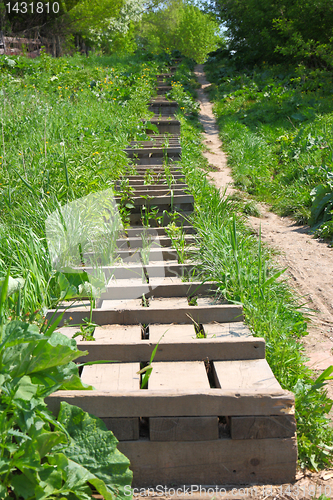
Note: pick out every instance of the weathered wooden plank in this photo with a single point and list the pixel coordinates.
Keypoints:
(237, 329)
(161, 200)
(178, 375)
(223, 461)
(172, 333)
(116, 334)
(248, 374)
(221, 313)
(112, 377)
(186, 348)
(171, 403)
(130, 269)
(136, 231)
(156, 254)
(121, 304)
(276, 426)
(183, 428)
(161, 240)
(125, 429)
(170, 303)
(135, 288)
(165, 125)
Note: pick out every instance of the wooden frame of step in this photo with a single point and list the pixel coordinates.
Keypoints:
(219, 462)
(176, 343)
(224, 313)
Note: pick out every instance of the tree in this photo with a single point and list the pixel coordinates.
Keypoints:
(196, 34)
(273, 30)
(178, 25)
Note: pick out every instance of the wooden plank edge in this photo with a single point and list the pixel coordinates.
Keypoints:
(198, 349)
(145, 403)
(224, 313)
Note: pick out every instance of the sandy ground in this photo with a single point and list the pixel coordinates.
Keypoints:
(309, 263)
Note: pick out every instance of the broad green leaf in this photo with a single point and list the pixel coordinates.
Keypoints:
(51, 481)
(76, 478)
(57, 351)
(58, 377)
(17, 332)
(95, 448)
(3, 491)
(74, 383)
(26, 390)
(67, 290)
(299, 117)
(23, 486)
(47, 440)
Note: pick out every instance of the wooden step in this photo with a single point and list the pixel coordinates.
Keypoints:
(160, 185)
(132, 267)
(140, 176)
(160, 231)
(159, 191)
(254, 374)
(223, 313)
(112, 377)
(163, 218)
(164, 200)
(162, 288)
(163, 89)
(165, 125)
(154, 156)
(174, 403)
(156, 141)
(163, 107)
(177, 342)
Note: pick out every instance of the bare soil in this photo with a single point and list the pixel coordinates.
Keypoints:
(309, 263)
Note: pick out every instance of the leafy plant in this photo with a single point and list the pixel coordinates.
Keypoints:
(322, 201)
(148, 214)
(35, 448)
(177, 236)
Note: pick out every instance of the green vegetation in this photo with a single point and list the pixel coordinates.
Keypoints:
(177, 25)
(64, 124)
(276, 31)
(272, 89)
(41, 457)
(117, 26)
(230, 255)
(276, 126)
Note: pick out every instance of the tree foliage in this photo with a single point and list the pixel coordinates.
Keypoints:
(178, 25)
(275, 30)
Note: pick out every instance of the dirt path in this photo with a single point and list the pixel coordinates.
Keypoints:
(309, 261)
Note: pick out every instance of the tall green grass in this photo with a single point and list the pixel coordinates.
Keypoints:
(64, 125)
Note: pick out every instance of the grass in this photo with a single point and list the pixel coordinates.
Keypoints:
(245, 272)
(64, 124)
(276, 124)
